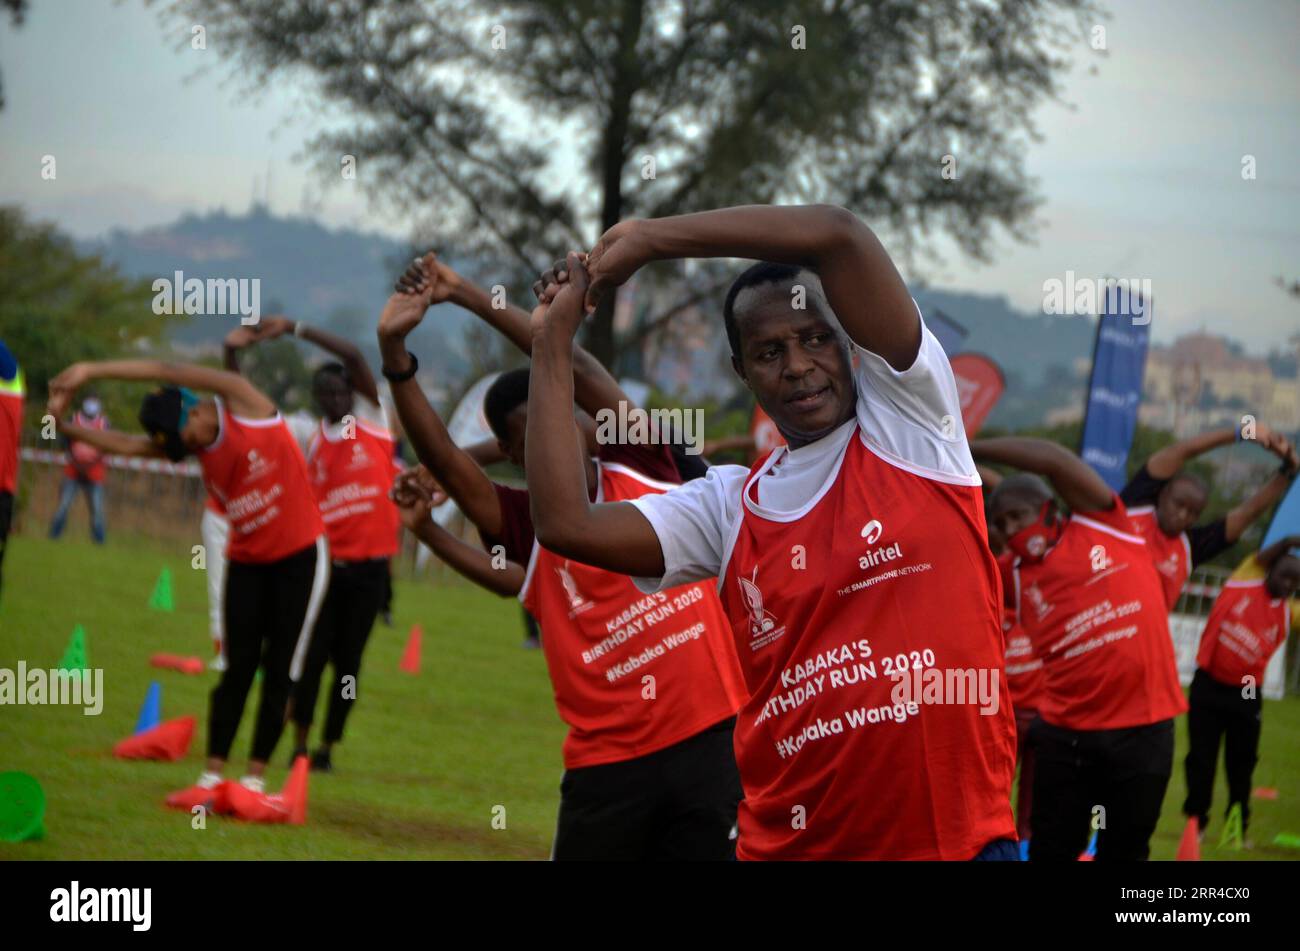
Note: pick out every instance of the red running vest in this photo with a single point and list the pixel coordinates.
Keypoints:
(888, 571)
(1024, 669)
(1171, 556)
(258, 475)
(1095, 611)
(632, 673)
(1246, 626)
(90, 458)
(350, 478)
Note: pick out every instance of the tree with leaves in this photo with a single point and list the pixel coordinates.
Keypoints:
(58, 306)
(521, 129)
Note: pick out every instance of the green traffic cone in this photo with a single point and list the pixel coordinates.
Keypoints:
(1232, 828)
(74, 656)
(22, 808)
(161, 599)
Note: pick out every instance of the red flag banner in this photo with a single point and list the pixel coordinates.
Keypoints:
(979, 386)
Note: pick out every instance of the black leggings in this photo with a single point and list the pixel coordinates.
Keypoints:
(355, 595)
(1113, 778)
(1218, 711)
(269, 613)
(676, 805)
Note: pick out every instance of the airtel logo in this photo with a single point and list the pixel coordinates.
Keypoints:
(872, 531)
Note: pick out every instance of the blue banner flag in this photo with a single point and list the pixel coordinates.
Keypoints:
(1286, 520)
(1119, 360)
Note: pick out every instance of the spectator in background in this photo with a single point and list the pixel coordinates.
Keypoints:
(84, 470)
(11, 425)
(1249, 622)
(1164, 501)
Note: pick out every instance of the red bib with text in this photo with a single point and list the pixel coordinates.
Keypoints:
(1095, 611)
(844, 616)
(258, 475)
(632, 672)
(1172, 555)
(1246, 626)
(351, 476)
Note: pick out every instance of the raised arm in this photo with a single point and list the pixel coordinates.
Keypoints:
(1166, 463)
(614, 536)
(1077, 483)
(459, 474)
(862, 285)
(112, 441)
(594, 387)
(1266, 556)
(241, 396)
(1239, 518)
(480, 567)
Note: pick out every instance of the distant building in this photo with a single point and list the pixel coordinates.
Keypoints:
(1200, 383)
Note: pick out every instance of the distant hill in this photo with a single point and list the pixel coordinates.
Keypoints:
(1038, 353)
(336, 278)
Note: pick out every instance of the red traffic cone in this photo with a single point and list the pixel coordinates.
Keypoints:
(411, 656)
(186, 665)
(167, 741)
(294, 793)
(1189, 848)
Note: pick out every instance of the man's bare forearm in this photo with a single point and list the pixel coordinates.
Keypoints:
(1240, 518)
(349, 355)
(1165, 463)
(111, 441)
(1077, 483)
(861, 283)
(594, 387)
(470, 562)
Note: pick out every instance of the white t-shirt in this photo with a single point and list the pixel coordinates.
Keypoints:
(911, 419)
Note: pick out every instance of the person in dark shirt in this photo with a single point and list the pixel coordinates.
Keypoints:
(1165, 501)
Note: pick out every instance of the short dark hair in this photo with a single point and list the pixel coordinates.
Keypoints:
(507, 391)
(333, 368)
(1022, 485)
(1192, 478)
(764, 272)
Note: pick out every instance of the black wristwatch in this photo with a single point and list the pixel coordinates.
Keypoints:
(405, 375)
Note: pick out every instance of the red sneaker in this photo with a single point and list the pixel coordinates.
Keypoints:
(193, 796)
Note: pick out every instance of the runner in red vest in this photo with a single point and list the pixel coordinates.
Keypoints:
(12, 394)
(278, 559)
(1164, 501)
(852, 563)
(1086, 593)
(350, 462)
(648, 684)
(84, 470)
(1250, 620)
(1024, 670)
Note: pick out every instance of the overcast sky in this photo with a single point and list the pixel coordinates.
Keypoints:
(1142, 178)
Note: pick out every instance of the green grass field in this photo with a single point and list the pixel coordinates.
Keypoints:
(427, 757)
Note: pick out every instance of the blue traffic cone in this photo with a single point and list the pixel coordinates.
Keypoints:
(151, 712)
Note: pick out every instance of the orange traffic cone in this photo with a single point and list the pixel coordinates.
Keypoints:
(294, 793)
(411, 656)
(167, 741)
(1189, 849)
